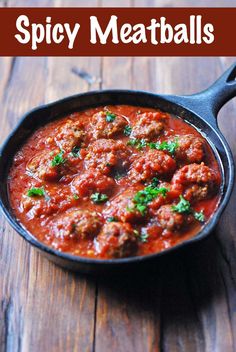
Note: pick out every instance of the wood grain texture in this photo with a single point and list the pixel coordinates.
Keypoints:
(189, 302)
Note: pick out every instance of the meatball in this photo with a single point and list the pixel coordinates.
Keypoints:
(190, 149)
(153, 163)
(106, 124)
(92, 181)
(116, 240)
(77, 224)
(198, 181)
(70, 135)
(194, 173)
(34, 206)
(197, 192)
(149, 126)
(122, 206)
(105, 155)
(168, 219)
(39, 206)
(42, 166)
(51, 166)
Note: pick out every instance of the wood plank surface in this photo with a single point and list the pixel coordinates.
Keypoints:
(189, 302)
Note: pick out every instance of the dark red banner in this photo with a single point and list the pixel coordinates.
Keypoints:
(117, 32)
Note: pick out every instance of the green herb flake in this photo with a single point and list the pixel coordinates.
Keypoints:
(199, 216)
(75, 196)
(75, 152)
(110, 117)
(138, 143)
(129, 209)
(118, 175)
(144, 237)
(58, 159)
(111, 219)
(182, 207)
(127, 130)
(132, 142)
(152, 145)
(155, 182)
(145, 196)
(142, 144)
(36, 192)
(141, 208)
(168, 146)
(99, 197)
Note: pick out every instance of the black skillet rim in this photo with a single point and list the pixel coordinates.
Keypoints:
(19, 228)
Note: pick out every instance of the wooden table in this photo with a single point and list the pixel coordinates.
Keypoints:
(189, 303)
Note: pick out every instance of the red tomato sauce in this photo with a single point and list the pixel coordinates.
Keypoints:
(114, 181)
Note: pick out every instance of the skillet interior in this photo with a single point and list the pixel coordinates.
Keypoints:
(43, 115)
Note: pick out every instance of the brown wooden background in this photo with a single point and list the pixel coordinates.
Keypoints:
(190, 303)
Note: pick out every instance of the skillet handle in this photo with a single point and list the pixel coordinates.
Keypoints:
(209, 102)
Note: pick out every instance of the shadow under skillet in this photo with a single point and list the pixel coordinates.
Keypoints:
(176, 286)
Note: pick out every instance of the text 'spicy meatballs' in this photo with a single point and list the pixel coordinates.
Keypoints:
(190, 149)
(106, 155)
(122, 207)
(198, 181)
(153, 163)
(70, 135)
(92, 181)
(116, 240)
(106, 124)
(77, 224)
(170, 220)
(149, 125)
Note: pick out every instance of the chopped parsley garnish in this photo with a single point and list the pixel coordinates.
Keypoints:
(75, 152)
(155, 182)
(183, 206)
(133, 142)
(143, 236)
(127, 130)
(36, 192)
(142, 144)
(145, 196)
(110, 117)
(118, 174)
(152, 145)
(199, 216)
(138, 143)
(99, 197)
(111, 219)
(58, 159)
(168, 146)
(75, 196)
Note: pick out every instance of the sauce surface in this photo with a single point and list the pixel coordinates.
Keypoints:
(114, 181)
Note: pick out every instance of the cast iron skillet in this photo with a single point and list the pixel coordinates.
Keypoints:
(200, 110)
